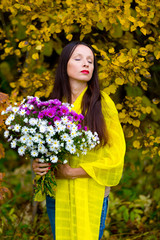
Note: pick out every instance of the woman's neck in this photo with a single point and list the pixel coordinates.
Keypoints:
(76, 89)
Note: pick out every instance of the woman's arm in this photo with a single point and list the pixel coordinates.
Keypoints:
(64, 171)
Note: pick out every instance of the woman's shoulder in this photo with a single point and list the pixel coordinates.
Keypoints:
(108, 105)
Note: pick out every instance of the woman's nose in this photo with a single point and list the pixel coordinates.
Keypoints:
(85, 63)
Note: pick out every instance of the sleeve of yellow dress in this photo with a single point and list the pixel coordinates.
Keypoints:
(105, 165)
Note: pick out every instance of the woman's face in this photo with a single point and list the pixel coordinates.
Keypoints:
(81, 64)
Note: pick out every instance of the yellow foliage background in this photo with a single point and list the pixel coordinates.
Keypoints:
(126, 39)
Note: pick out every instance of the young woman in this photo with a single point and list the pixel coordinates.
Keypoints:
(79, 209)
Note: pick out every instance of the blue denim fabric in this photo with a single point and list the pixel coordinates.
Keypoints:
(50, 204)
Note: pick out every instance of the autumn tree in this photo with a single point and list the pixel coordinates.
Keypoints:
(126, 39)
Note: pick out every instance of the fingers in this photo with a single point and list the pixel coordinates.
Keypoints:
(40, 168)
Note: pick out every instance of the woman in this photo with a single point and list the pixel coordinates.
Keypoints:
(79, 209)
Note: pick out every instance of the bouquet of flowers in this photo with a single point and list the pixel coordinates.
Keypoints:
(49, 131)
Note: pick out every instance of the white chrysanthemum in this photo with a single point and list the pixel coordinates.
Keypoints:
(49, 140)
(10, 139)
(21, 151)
(54, 159)
(6, 134)
(51, 130)
(64, 120)
(42, 122)
(41, 141)
(22, 112)
(34, 153)
(3, 112)
(65, 137)
(71, 149)
(9, 108)
(23, 139)
(8, 121)
(74, 128)
(17, 128)
(33, 121)
(60, 128)
(57, 123)
(29, 143)
(32, 130)
(35, 139)
(13, 144)
(65, 161)
(31, 107)
(73, 134)
(23, 101)
(41, 160)
(69, 126)
(26, 120)
(41, 148)
(84, 152)
(69, 141)
(56, 143)
(42, 129)
(25, 130)
(15, 109)
(11, 117)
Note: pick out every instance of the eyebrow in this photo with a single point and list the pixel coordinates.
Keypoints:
(79, 54)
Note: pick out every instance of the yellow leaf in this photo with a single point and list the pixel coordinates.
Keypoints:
(39, 47)
(111, 50)
(132, 19)
(13, 84)
(140, 24)
(122, 115)
(151, 39)
(119, 81)
(136, 144)
(35, 56)
(23, 44)
(144, 85)
(95, 47)
(148, 109)
(69, 37)
(17, 52)
(119, 106)
(144, 31)
(8, 49)
(157, 54)
(133, 28)
(122, 58)
(136, 123)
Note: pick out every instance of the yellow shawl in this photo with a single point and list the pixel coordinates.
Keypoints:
(79, 201)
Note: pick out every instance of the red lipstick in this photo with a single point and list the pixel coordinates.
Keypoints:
(85, 71)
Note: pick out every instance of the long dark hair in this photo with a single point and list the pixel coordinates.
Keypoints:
(91, 102)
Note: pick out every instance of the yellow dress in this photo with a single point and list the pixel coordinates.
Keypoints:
(79, 201)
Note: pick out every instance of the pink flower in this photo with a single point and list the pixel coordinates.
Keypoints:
(51, 112)
(64, 110)
(56, 118)
(40, 115)
(85, 128)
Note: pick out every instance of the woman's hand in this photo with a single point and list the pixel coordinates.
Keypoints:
(40, 168)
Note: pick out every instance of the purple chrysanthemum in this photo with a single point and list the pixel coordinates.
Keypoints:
(51, 112)
(40, 115)
(64, 110)
(85, 128)
(28, 112)
(79, 126)
(56, 118)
